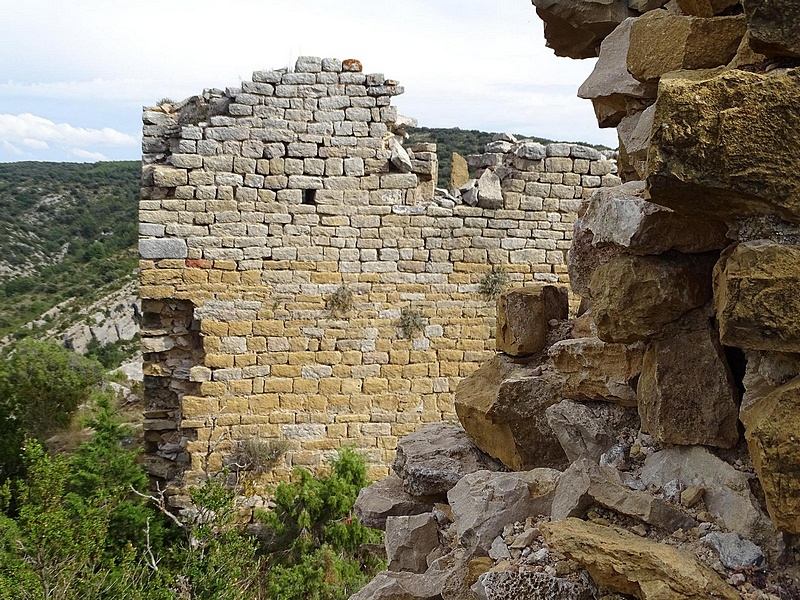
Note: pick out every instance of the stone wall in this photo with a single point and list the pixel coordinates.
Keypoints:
(286, 235)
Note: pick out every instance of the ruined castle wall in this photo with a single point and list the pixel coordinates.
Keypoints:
(285, 239)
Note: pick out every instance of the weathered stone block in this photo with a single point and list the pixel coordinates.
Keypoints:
(387, 498)
(627, 563)
(686, 391)
(596, 370)
(502, 407)
(163, 248)
(756, 299)
(774, 26)
(523, 315)
(745, 124)
(409, 540)
(771, 433)
(661, 42)
(633, 297)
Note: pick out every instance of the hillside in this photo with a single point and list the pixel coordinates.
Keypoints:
(67, 230)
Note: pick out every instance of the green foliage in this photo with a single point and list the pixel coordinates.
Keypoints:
(313, 554)
(41, 386)
(411, 322)
(114, 354)
(493, 283)
(340, 301)
(71, 226)
(260, 455)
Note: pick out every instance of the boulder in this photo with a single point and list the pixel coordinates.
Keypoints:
(589, 429)
(484, 502)
(576, 29)
(388, 585)
(661, 42)
(596, 370)
(433, 459)
(771, 433)
(747, 125)
(756, 299)
(502, 407)
(620, 217)
(459, 171)
(633, 297)
(514, 585)
(387, 498)
(774, 27)
(727, 491)
(609, 87)
(523, 315)
(686, 391)
(734, 551)
(490, 194)
(530, 150)
(409, 540)
(629, 564)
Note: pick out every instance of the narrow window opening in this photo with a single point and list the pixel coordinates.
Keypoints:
(310, 197)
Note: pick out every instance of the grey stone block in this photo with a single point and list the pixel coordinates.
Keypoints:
(162, 248)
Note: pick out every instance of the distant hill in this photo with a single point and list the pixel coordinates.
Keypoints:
(66, 230)
(465, 142)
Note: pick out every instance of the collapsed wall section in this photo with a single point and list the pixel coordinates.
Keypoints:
(327, 297)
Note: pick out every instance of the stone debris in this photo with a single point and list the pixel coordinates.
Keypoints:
(387, 498)
(735, 552)
(524, 315)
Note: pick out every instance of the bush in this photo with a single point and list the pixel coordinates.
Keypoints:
(41, 386)
(313, 554)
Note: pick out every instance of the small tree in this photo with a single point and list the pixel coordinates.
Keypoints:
(41, 386)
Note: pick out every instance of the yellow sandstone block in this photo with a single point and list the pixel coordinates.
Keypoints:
(240, 327)
(268, 328)
(278, 385)
(219, 361)
(263, 403)
(257, 344)
(243, 386)
(213, 388)
(306, 386)
(286, 370)
(245, 360)
(194, 406)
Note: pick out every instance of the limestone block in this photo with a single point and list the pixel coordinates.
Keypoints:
(399, 156)
(771, 433)
(661, 42)
(409, 540)
(575, 29)
(583, 258)
(387, 498)
(727, 491)
(610, 83)
(596, 370)
(530, 150)
(490, 194)
(751, 148)
(459, 171)
(633, 297)
(170, 177)
(735, 552)
(433, 459)
(484, 501)
(686, 392)
(162, 248)
(756, 299)
(502, 408)
(589, 429)
(629, 564)
(523, 315)
(774, 27)
(508, 585)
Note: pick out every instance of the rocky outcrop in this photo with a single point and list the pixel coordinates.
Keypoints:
(590, 429)
(387, 498)
(773, 26)
(632, 565)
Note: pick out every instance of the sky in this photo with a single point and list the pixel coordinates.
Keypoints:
(75, 74)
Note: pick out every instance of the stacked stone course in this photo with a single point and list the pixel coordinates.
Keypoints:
(262, 203)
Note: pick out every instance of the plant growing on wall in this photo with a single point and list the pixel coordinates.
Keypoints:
(494, 283)
(260, 455)
(340, 301)
(411, 322)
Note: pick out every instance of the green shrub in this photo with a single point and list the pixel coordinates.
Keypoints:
(494, 283)
(313, 554)
(411, 322)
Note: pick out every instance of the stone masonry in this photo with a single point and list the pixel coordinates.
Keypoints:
(286, 235)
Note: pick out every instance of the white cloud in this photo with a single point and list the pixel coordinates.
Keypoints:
(87, 155)
(39, 133)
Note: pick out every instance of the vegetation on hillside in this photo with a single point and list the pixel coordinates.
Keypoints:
(84, 525)
(66, 230)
